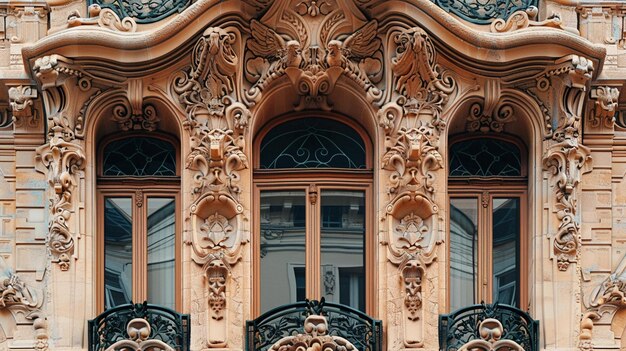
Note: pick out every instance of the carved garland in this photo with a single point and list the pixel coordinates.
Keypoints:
(216, 122)
(412, 124)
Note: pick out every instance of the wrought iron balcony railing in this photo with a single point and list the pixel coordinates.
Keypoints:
(139, 327)
(340, 323)
(488, 325)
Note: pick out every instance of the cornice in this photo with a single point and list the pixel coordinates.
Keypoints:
(481, 52)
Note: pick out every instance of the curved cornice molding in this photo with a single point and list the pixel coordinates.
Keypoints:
(474, 50)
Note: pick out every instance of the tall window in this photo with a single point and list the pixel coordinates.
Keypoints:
(487, 190)
(138, 186)
(313, 181)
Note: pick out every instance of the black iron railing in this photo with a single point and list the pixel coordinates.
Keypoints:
(460, 327)
(167, 325)
(364, 332)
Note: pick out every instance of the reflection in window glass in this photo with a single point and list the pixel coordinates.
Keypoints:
(118, 250)
(463, 251)
(342, 247)
(161, 251)
(506, 232)
(282, 239)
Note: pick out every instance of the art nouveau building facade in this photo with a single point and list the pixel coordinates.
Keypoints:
(225, 158)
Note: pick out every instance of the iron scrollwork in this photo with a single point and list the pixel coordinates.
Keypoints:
(484, 11)
(143, 11)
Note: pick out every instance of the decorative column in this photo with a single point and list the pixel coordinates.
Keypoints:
(412, 123)
(216, 122)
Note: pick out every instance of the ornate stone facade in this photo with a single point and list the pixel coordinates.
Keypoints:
(415, 76)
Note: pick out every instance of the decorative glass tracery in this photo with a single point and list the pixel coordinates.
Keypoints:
(485, 157)
(312, 143)
(143, 11)
(139, 157)
(484, 11)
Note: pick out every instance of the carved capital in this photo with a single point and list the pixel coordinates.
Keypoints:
(604, 107)
(22, 100)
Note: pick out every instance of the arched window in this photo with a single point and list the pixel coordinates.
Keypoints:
(487, 188)
(138, 241)
(313, 183)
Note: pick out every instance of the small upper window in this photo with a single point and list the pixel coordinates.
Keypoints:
(139, 157)
(485, 157)
(312, 143)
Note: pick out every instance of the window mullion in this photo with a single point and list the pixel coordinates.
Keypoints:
(140, 249)
(313, 242)
(483, 248)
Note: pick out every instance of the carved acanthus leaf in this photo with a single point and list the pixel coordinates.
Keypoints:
(566, 161)
(606, 101)
(22, 100)
(14, 292)
(63, 158)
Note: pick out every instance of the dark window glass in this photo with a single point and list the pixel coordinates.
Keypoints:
(139, 157)
(485, 157)
(312, 143)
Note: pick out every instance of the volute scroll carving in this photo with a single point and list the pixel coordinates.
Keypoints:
(216, 121)
(604, 107)
(567, 159)
(412, 124)
(101, 17)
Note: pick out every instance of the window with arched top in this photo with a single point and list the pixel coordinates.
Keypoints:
(487, 239)
(138, 241)
(313, 238)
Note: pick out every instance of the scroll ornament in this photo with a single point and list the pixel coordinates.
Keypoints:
(103, 18)
(491, 331)
(605, 106)
(313, 69)
(63, 157)
(567, 160)
(412, 124)
(22, 99)
(315, 337)
(216, 122)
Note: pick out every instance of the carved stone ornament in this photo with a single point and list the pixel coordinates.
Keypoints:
(320, 53)
(22, 100)
(138, 331)
(147, 120)
(63, 158)
(491, 331)
(604, 107)
(216, 121)
(567, 159)
(491, 115)
(14, 292)
(314, 338)
(104, 18)
(412, 124)
(527, 19)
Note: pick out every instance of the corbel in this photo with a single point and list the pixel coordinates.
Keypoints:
(22, 101)
(604, 106)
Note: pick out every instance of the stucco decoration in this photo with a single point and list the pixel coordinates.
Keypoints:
(412, 124)
(103, 18)
(491, 331)
(138, 331)
(527, 19)
(604, 107)
(313, 54)
(216, 121)
(22, 100)
(567, 159)
(132, 113)
(314, 338)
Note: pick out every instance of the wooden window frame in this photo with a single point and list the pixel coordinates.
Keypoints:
(313, 233)
(319, 179)
(139, 189)
(484, 190)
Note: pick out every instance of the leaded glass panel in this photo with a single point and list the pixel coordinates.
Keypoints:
(485, 157)
(312, 143)
(139, 157)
